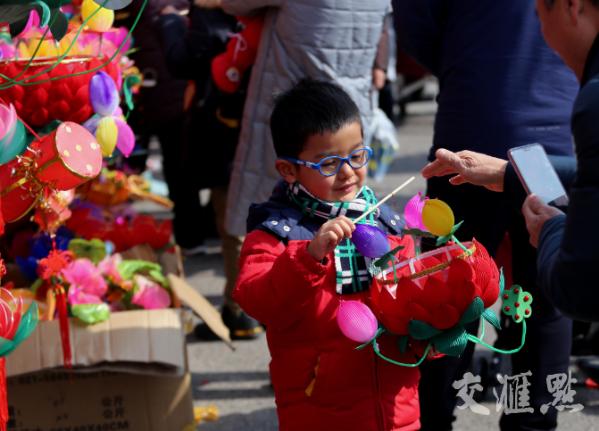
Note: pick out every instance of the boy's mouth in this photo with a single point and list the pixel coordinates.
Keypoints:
(346, 188)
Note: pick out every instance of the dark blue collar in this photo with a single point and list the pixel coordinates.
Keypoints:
(591, 67)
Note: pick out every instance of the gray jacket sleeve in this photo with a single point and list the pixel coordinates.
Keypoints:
(248, 7)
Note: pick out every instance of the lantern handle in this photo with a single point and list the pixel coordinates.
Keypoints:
(385, 199)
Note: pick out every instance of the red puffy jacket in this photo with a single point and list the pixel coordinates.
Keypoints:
(321, 382)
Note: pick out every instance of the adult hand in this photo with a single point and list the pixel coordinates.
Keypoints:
(208, 4)
(468, 167)
(536, 213)
(379, 77)
(329, 236)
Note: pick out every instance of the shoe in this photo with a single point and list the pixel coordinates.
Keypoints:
(241, 327)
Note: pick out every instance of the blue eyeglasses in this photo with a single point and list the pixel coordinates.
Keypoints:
(331, 165)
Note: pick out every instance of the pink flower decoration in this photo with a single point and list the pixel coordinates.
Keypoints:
(108, 267)
(150, 295)
(413, 212)
(356, 321)
(87, 286)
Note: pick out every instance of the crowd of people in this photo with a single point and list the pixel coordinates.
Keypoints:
(280, 135)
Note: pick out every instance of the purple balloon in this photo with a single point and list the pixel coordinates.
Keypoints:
(356, 321)
(370, 241)
(103, 94)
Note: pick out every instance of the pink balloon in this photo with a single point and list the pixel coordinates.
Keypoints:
(413, 212)
(126, 139)
(356, 321)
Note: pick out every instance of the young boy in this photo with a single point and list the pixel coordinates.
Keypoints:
(293, 276)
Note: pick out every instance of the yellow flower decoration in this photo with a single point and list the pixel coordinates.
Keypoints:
(438, 217)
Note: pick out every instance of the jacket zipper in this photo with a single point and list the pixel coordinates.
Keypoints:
(377, 403)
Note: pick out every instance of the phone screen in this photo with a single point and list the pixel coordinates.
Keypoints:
(537, 174)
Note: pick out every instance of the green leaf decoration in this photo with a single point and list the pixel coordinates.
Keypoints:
(91, 313)
(492, 318)
(442, 240)
(128, 268)
(453, 342)
(420, 330)
(473, 312)
(387, 257)
(402, 343)
(516, 303)
(113, 4)
(59, 24)
(26, 327)
(94, 250)
(501, 281)
(158, 276)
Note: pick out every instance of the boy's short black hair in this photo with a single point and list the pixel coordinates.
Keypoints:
(311, 107)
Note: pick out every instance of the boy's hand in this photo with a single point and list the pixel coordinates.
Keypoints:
(329, 236)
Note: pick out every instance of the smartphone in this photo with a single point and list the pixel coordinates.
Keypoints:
(537, 174)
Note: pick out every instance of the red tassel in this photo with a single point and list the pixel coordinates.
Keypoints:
(63, 321)
(3, 396)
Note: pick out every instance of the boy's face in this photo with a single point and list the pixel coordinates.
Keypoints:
(345, 185)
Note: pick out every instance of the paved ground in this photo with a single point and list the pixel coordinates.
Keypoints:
(237, 381)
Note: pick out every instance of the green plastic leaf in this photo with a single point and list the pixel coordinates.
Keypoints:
(421, 330)
(113, 4)
(473, 312)
(501, 281)
(402, 343)
(91, 313)
(455, 228)
(94, 250)
(26, 327)
(387, 257)
(158, 276)
(128, 268)
(492, 318)
(452, 343)
(59, 24)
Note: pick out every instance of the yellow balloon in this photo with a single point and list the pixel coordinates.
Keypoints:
(438, 217)
(103, 19)
(107, 134)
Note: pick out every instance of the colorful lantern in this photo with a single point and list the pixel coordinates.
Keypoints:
(437, 217)
(413, 212)
(356, 321)
(370, 241)
(103, 18)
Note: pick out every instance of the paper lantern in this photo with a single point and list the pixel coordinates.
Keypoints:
(356, 321)
(436, 288)
(370, 241)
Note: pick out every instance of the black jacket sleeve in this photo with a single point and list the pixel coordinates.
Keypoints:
(568, 254)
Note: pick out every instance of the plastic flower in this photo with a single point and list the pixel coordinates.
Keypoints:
(108, 267)
(413, 212)
(87, 286)
(150, 295)
(437, 217)
(356, 321)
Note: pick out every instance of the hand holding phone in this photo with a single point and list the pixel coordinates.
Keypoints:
(537, 174)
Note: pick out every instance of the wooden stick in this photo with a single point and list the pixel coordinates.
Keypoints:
(385, 199)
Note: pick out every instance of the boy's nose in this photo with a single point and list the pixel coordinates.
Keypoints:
(345, 171)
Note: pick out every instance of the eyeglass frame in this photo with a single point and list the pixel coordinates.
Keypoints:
(343, 160)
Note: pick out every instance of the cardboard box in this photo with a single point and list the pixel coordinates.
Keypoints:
(150, 390)
(72, 401)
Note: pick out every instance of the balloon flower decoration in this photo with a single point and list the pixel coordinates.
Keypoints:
(108, 125)
(12, 134)
(16, 325)
(431, 297)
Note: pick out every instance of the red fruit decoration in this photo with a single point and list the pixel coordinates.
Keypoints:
(66, 98)
(229, 67)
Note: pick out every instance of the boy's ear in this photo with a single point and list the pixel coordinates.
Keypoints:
(287, 170)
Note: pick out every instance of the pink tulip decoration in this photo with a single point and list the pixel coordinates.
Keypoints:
(356, 321)
(370, 241)
(413, 212)
(87, 286)
(150, 295)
